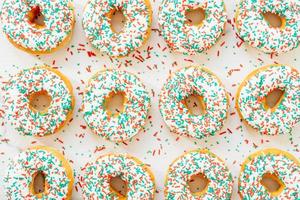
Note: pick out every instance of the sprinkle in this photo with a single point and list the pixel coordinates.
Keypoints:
(98, 149)
(91, 54)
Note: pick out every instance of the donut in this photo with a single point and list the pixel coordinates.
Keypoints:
(254, 29)
(202, 82)
(185, 38)
(21, 173)
(97, 175)
(136, 31)
(277, 164)
(18, 24)
(136, 105)
(23, 87)
(252, 93)
(220, 182)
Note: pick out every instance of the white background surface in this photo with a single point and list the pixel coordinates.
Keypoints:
(154, 145)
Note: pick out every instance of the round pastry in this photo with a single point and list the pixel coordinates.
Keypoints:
(30, 83)
(251, 99)
(278, 165)
(97, 25)
(97, 176)
(220, 182)
(184, 83)
(130, 120)
(186, 38)
(58, 174)
(258, 32)
(20, 25)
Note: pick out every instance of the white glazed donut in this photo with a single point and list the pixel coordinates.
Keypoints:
(98, 30)
(97, 175)
(182, 84)
(136, 105)
(255, 30)
(17, 23)
(185, 38)
(251, 99)
(22, 116)
(59, 180)
(220, 182)
(281, 165)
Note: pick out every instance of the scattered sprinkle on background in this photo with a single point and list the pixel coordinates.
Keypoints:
(230, 59)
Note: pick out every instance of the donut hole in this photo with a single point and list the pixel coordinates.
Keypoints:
(272, 183)
(39, 185)
(40, 101)
(114, 103)
(195, 17)
(274, 20)
(195, 104)
(273, 99)
(117, 20)
(118, 186)
(198, 184)
(36, 17)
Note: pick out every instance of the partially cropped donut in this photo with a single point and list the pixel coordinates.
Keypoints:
(256, 30)
(97, 177)
(274, 164)
(59, 180)
(186, 38)
(21, 89)
(129, 121)
(201, 82)
(55, 30)
(220, 182)
(251, 99)
(98, 30)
